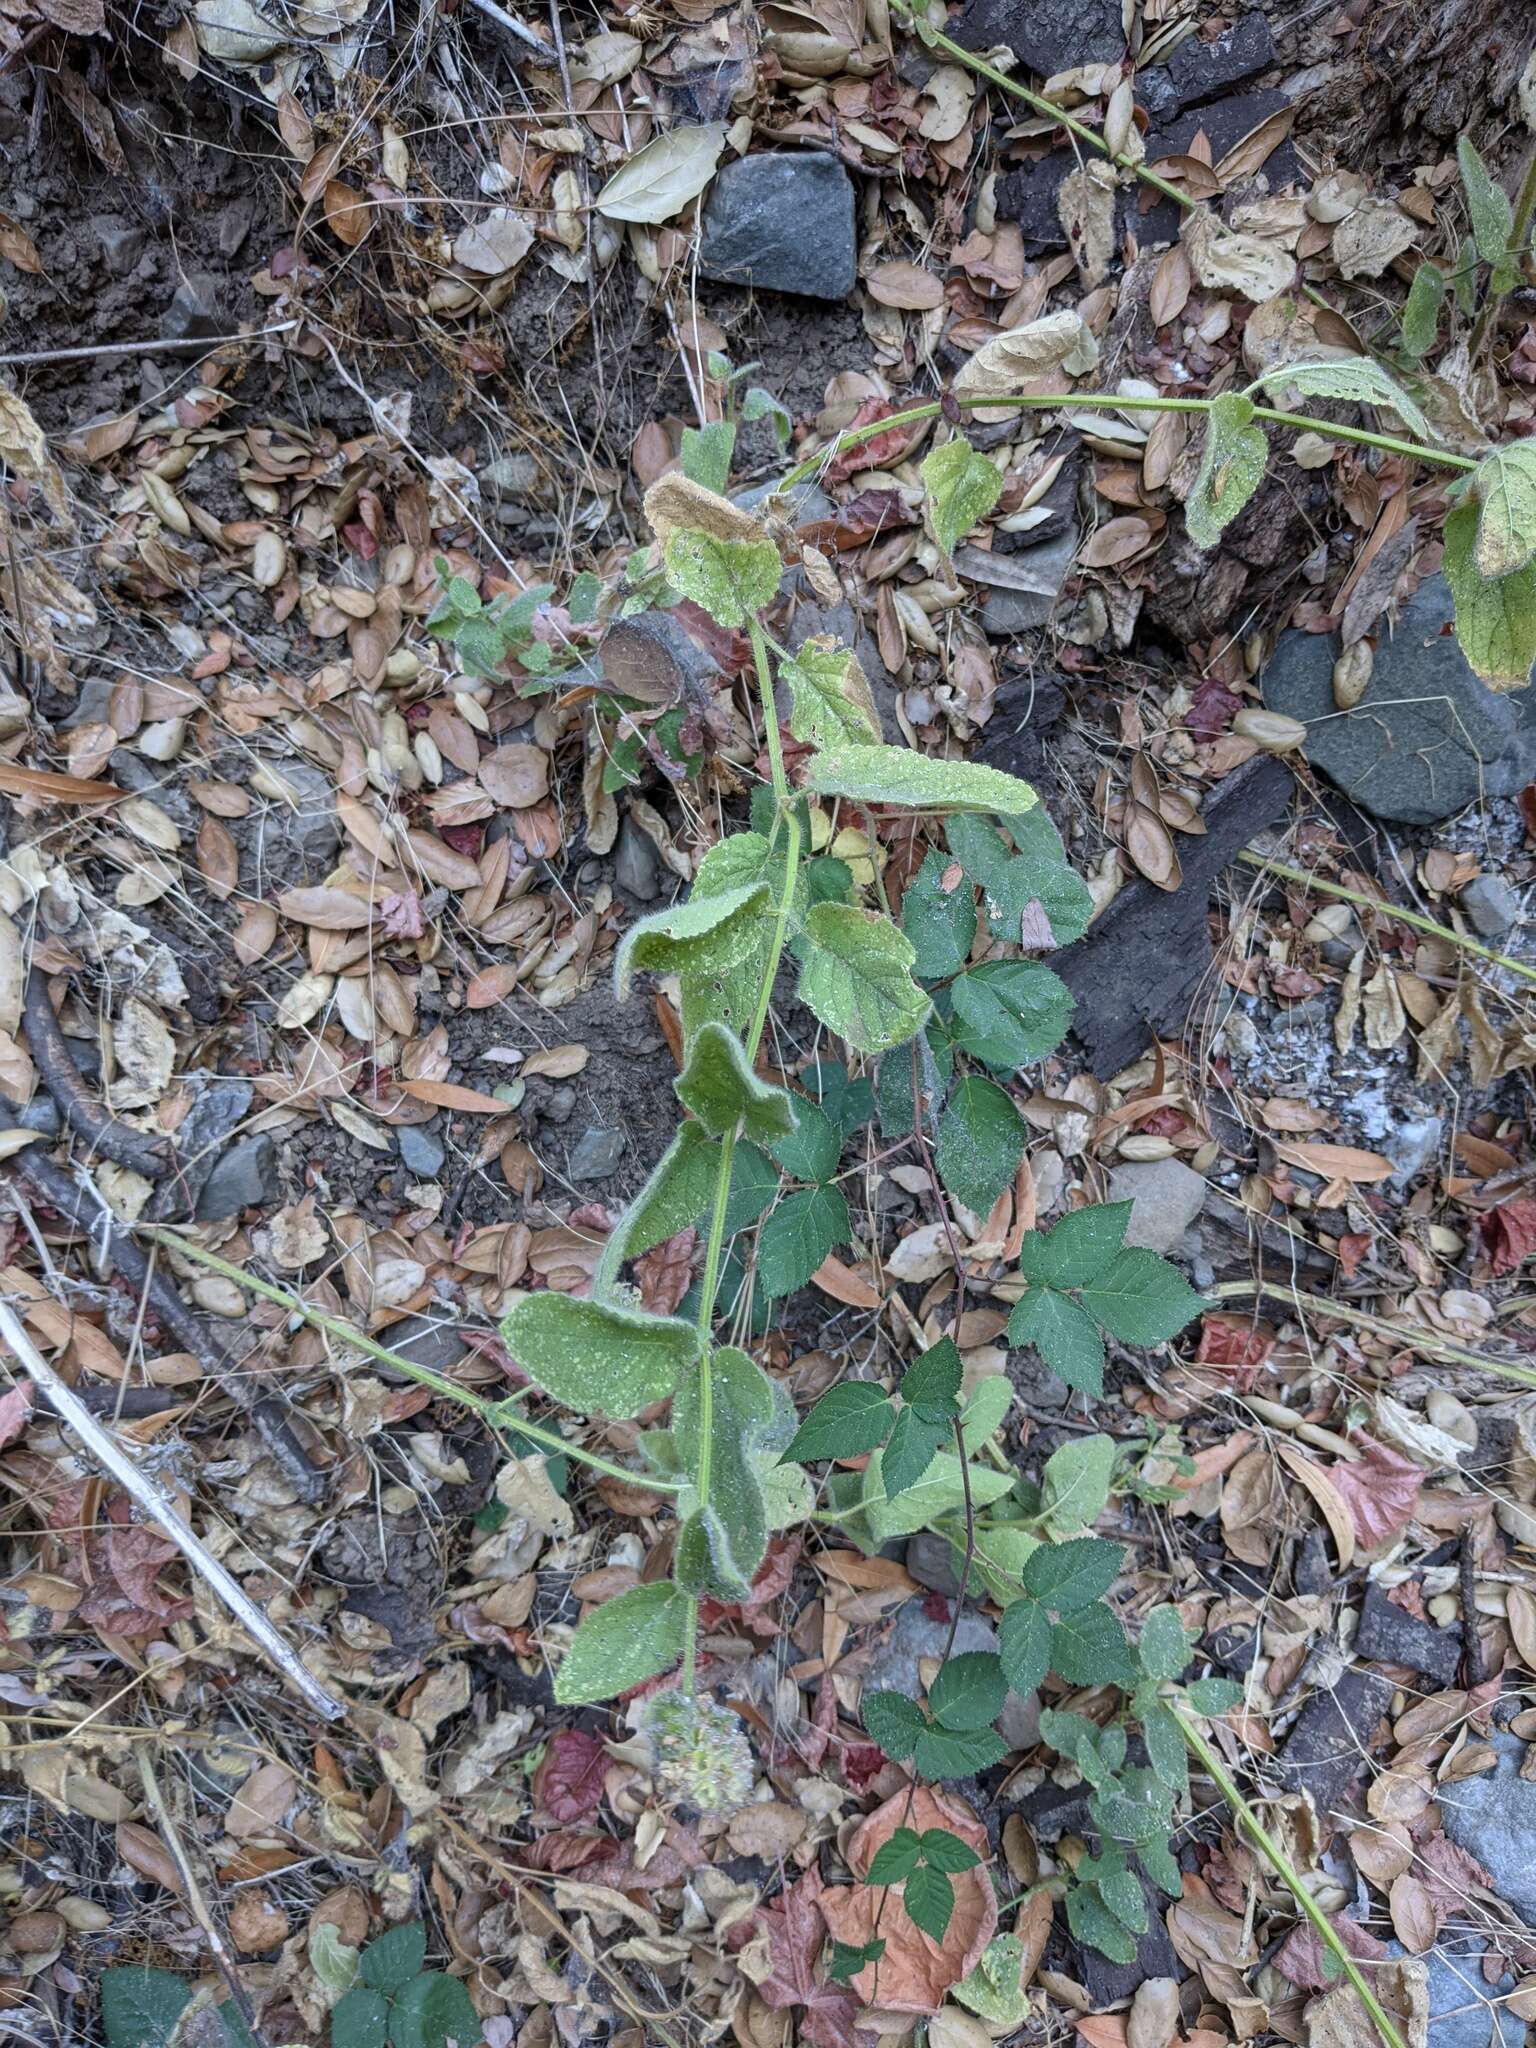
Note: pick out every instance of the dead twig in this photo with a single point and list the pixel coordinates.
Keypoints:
(144, 1493)
(513, 27)
(156, 345)
(80, 1110)
(267, 1411)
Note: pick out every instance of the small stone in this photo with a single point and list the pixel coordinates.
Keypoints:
(558, 1104)
(596, 1154)
(421, 1150)
(931, 1561)
(91, 705)
(121, 243)
(636, 863)
(808, 502)
(1198, 69)
(917, 1637)
(1411, 1145)
(1491, 904)
(1388, 1634)
(1047, 35)
(194, 309)
(1023, 587)
(1019, 1722)
(1493, 1817)
(1331, 1742)
(783, 222)
(1166, 1197)
(244, 1178)
(1427, 737)
(510, 476)
(427, 1340)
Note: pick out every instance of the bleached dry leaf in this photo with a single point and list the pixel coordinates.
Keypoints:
(660, 179)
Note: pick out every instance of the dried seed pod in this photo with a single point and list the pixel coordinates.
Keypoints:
(1271, 730)
(1352, 674)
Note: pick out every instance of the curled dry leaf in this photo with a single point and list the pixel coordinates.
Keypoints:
(906, 286)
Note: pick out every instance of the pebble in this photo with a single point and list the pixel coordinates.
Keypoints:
(1166, 1197)
(917, 1637)
(1493, 1817)
(421, 1150)
(1411, 1146)
(636, 864)
(244, 1178)
(783, 221)
(1492, 906)
(427, 1340)
(121, 243)
(194, 309)
(596, 1153)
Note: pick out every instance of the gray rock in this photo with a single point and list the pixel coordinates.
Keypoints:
(91, 705)
(1330, 1744)
(220, 1105)
(309, 830)
(1388, 1634)
(510, 476)
(1022, 588)
(1198, 70)
(1019, 1722)
(426, 1340)
(636, 863)
(1224, 124)
(1463, 2006)
(1427, 738)
(1492, 905)
(808, 502)
(244, 1177)
(596, 1154)
(1493, 1817)
(121, 243)
(1166, 1197)
(783, 222)
(194, 309)
(932, 1562)
(1411, 1145)
(916, 1635)
(1047, 35)
(421, 1150)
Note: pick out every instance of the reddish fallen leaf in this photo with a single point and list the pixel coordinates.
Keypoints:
(769, 1586)
(881, 451)
(1212, 708)
(568, 1783)
(1527, 801)
(119, 1563)
(1294, 983)
(561, 1854)
(860, 520)
(1509, 1234)
(1352, 1248)
(1381, 1491)
(665, 1271)
(1448, 1873)
(1227, 1341)
(15, 1411)
(796, 1927)
(1301, 1955)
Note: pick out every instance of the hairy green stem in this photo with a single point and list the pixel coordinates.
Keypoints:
(1106, 401)
(1281, 1865)
(491, 1412)
(1415, 918)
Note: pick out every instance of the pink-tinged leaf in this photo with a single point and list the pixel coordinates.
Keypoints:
(568, 1783)
(664, 1273)
(797, 1931)
(1301, 1955)
(15, 1411)
(1381, 1491)
(401, 916)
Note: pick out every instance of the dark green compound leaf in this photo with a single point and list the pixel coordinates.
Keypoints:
(946, 1851)
(1093, 1923)
(1078, 1250)
(1213, 1695)
(929, 1898)
(940, 921)
(848, 1958)
(1066, 1576)
(720, 1088)
(981, 1141)
(754, 1183)
(1065, 1336)
(140, 2006)
(948, 1753)
(850, 1103)
(853, 1418)
(1163, 1647)
(1031, 895)
(968, 1692)
(434, 2011)
(798, 1236)
(390, 1963)
(1010, 1012)
(597, 1358)
(912, 1448)
(930, 1057)
(1142, 1299)
(635, 1636)
(811, 1150)
(895, 1860)
(931, 1383)
(1089, 1647)
(359, 2019)
(1024, 1644)
(894, 1722)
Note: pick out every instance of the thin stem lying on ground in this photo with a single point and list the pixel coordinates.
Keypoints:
(1250, 1824)
(146, 1496)
(1415, 918)
(491, 1412)
(155, 345)
(1104, 401)
(1412, 1336)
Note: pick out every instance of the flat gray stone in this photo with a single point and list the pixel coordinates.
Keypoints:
(244, 1177)
(1166, 1197)
(596, 1154)
(1388, 1634)
(1022, 587)
(782, 222)
(421, 1150)
(1493, 1817)
(1427, 738)
(1463, 2007)
(931, 1561)
(1492, 906)
(918, 1635)
(194, 309)
(636, 863)
(808, 502)
(1411, 1145)
(1330, 1744)
(426, 1340)
(1198, 70)
(1047, 35)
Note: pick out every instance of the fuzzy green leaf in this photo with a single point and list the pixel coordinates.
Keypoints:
(1504, 485)
(1092, 1922)
(962, 488)
(434, 2011)
(1010, 1012)
(955, 1753)
(1165, 1745)
(1074, 1574)
(940, 921)
(676, 1193)
(140, 2006)
(798, 1236)
(829, 695)
(1231, 468)
(1495, 620)
(1358, 381)
(390, 1963)
(705, 935)
(1491, 214)
(995, 1989)
(812, 1150)
(845, 1423)
(741, 1405)
(1163, 1647)
(857, 977)
(896, 775)
(634, 1636)
(1074, 1487)
(1421, 310)
(719, 1086)
(1213, 1695)
(754, 1183)
(1065, 1336)
(597, 1358)
(706, 454)
(1089, 1648)
(1024, 1643)
(1142, 1299)
(931, 1383)
(1033, 896)
(929, 1898)
(968, 1692)
(939, 1491)
(730, 579)
(360, 2019)
(981, 1141)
